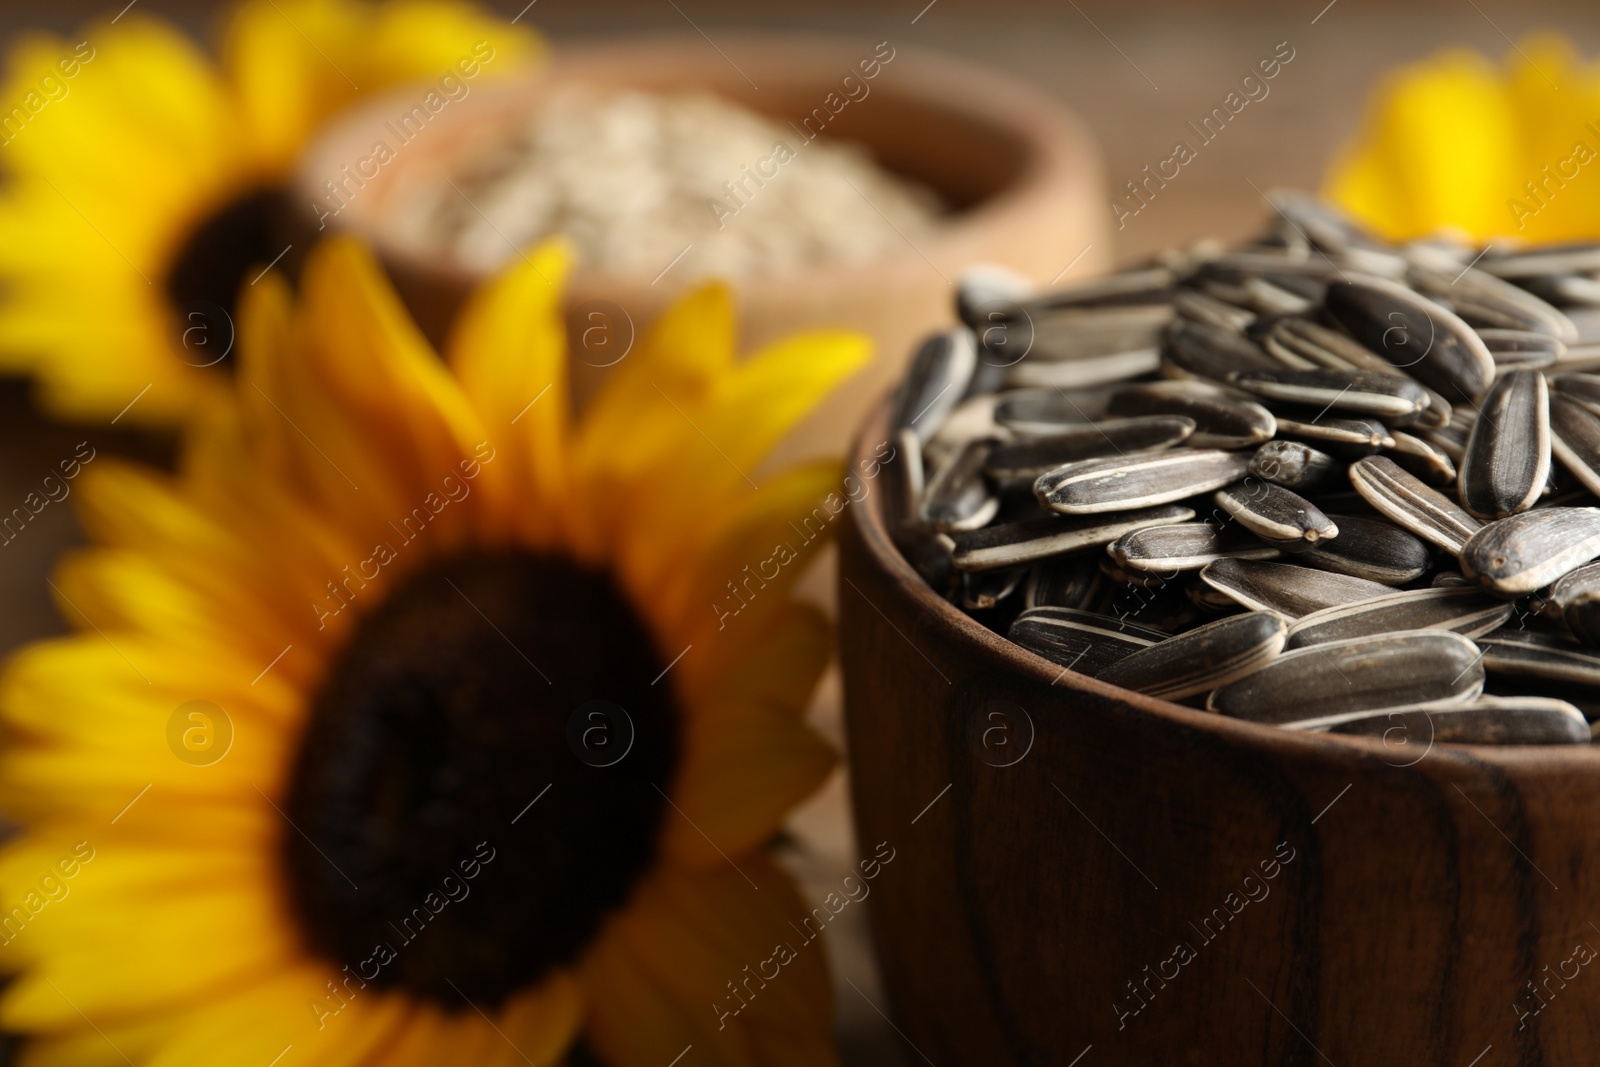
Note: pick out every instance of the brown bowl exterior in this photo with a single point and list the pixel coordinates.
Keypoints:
(1077, 865)
(1023, 171)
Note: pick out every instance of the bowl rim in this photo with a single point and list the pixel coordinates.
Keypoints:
(1337, 748)
(1059, 148)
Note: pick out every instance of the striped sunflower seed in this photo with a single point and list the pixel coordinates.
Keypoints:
(958, 497)
(1203, 658)
(1387, 395)
(1514, 556)
(1066, 582)
(1411, 505)
(982, 590)
(1461, 610)
(1489, 720)
(1522, 348)
(935, 383)
(1420, 336)
(1576, 258)
(1294, 465)
(1031, 540)
(1041, 412)
(1209, 311)
(1124, 482)
(1575, 440)
(1020, 463)
(1079, 640)
(1186, 546)
(1321, 686)
(1581, 389)
(1428, 462)
(1345, 438)
(1583, 582)
(1195, 350)
(1507, 461)
(1528, 654)
(1370, 548)
(1221, 421)
(1086, 371)
(987, 293)
(1289, 590)
(1278, 515)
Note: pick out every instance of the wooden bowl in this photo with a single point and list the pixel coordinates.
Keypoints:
(1056, 840)
(1022, 170)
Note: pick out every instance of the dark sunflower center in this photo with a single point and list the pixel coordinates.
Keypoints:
(223, 252)
(481, 780)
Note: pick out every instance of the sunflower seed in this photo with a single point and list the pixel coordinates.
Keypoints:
(1518, 555)
(1210, 311)
(1034, 539)
(1575, 258)
(1079, 640)
(1508, 455)
(1418, 335)
(972, 420)
(1575, 440)
(1081, 333)
(1464, 611)
(1522, 348)
(1066, 582)
(1118, 484)
(1427, 461)
(1040, 412)
(1585, 581)
(986, 292)
(1022, 462)
(1388, 395)
(1185, 547)
(1220, 420)
(1582, 616)
(1196, 350)
(1345, 438)
(1276, 514)
(1372, 549)
(1486, 721)
(1289, 590)
(1566, 291)
(905, 477)
(982, 590)
(1293, 465)
(1406, 501)
(1526, 654)
(1324, 685)
(1202, 659)
(958, 498)
(1142, 286)
(936, 382)
(1096, 370)
(1581, 389)
(1486, 301)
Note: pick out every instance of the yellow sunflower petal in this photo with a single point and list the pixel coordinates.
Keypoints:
(707, 959)
(509, 351)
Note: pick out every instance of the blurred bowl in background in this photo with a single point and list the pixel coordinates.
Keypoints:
(1020, 172)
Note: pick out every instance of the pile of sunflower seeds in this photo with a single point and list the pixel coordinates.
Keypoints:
(1305, 482)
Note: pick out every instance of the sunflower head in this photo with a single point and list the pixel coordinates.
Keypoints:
(143, 180)
(1459, 144)
(414, 721)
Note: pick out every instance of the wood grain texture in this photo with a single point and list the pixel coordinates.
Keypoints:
(1428, 885)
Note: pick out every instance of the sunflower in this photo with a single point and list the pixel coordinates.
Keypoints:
(1459, 144)
(411, 724)
(144, 180)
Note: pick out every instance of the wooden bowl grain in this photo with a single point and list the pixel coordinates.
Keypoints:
(1022, 171)
(1058, 839)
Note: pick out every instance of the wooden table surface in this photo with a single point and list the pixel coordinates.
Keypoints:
(1136, 72)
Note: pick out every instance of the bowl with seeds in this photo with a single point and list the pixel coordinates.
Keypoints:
(834, 183)
(1222, 638)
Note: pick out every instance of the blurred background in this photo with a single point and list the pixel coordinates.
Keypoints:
(1135, 72)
